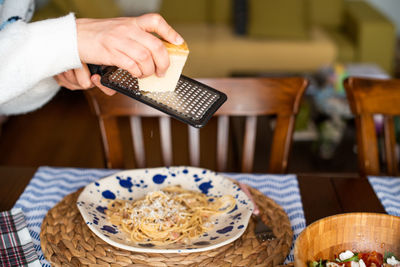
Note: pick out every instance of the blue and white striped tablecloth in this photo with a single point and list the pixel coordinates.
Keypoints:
(49, 185)
(388, 191)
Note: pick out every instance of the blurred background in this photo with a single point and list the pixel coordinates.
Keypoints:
(323, 40)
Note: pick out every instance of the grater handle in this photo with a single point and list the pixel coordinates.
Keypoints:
(95, 69)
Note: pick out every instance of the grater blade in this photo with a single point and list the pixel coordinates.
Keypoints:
(191, 102)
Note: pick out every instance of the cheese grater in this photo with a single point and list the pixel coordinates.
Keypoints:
(191, 102)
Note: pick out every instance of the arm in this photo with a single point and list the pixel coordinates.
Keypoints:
(34, 52)
(31, 53)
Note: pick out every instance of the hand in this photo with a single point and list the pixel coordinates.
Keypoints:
(77, 79)
(127, 43)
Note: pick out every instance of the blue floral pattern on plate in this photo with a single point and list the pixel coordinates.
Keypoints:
(135, 184)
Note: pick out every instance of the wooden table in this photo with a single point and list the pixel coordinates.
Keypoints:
(328, 194)
(322, 194)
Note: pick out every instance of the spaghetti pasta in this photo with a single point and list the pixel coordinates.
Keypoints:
(171, 215)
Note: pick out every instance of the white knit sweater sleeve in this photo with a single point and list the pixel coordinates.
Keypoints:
(30, 55)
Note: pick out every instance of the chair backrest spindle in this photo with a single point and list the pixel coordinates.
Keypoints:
(138, 143)
(249, 143)
(110, 134)
(222, 142)
(390, 143)
(166, 140)
(194, 146)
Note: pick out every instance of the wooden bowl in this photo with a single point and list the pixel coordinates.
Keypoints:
(361, 232)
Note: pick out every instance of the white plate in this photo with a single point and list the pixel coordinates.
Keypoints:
(134, 184)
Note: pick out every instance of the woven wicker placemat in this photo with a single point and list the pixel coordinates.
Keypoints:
(67, 241)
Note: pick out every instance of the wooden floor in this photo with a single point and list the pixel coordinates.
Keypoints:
(65, 133)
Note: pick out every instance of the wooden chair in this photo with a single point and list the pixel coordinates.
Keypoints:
(368, 97)
(249, 97)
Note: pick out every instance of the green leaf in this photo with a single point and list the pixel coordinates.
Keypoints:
(388, 255)
(354, 258)
(320, 263)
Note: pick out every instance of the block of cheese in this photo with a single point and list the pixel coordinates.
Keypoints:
(177, 58)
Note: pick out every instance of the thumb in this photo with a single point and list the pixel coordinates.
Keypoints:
(96, 80)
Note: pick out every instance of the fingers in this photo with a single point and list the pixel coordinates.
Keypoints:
(75, 79)
(156, 23)
(123, 61)
(71, 80)
(64, 81)
(82, 77)
(96, 81)
(158, 52)
(139, 54)
(67, 80)
(144, 58)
